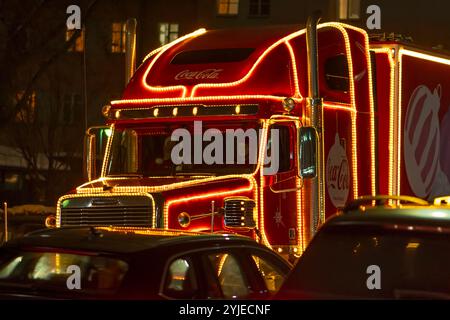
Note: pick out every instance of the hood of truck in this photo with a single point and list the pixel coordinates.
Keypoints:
(150, 202)
(136, 182)
(159, 184)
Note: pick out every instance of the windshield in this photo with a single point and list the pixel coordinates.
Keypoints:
(189, 149)
(57, 271)
(340, 260)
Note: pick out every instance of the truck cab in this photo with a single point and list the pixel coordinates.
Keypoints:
(238, 100)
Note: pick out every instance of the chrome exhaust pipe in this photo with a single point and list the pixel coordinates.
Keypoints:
(312, 54)
(130, 49)
(314, 109)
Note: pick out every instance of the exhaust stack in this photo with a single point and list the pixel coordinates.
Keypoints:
(311, 48)
(130, 49)
(314, 109)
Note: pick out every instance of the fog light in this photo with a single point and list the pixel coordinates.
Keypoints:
(50, 221)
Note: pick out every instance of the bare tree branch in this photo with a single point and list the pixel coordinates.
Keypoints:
(27, 20)
(47, 63)
(48, 147)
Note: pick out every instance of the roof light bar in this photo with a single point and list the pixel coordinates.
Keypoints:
(181, 111)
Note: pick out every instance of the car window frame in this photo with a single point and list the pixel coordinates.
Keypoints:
(243, 263)
(168, 263)
(196, 256)
(279, 262)
(9, 251)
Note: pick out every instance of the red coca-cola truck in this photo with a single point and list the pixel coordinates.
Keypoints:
(353, 117)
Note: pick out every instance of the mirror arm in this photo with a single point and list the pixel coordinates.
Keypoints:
(287, 190)
(89, 150)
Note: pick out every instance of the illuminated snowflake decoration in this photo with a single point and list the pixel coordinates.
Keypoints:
(278, 218)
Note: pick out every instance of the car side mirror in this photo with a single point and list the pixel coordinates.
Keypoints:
(307, 157)
(95, 141)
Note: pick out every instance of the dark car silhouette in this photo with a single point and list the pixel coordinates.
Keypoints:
(137, 263)
(398, 249)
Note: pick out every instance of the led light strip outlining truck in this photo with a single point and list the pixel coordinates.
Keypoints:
(354, 118)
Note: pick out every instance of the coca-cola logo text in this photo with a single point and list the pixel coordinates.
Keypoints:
(202, 74)
(338, 173)
(338, 176)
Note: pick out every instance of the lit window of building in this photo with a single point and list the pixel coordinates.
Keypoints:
(227, 7)
(168, 32)
(259, 8)
(27, 114)
(78, 44)
(118, 37)
(349, 9)
(11, 181)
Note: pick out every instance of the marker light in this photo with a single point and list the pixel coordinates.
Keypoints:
(108, 132)
(288, 104)
(105, 110)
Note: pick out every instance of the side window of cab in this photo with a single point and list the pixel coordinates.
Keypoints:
(280, 149)
(337, 74)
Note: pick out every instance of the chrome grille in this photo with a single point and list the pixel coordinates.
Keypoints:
(132, 211)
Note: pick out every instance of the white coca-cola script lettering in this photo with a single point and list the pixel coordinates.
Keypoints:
(337, 175)
(202, 74)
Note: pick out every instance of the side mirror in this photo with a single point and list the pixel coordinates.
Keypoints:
(308, 152)
(95, 141)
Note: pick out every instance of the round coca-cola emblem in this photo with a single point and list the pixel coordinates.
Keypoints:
(337, 174)
(421, 139)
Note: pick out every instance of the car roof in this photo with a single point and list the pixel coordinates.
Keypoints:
(412, 215)
(121, 240)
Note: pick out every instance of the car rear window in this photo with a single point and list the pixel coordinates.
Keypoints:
(340, 261)
(63, 272)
